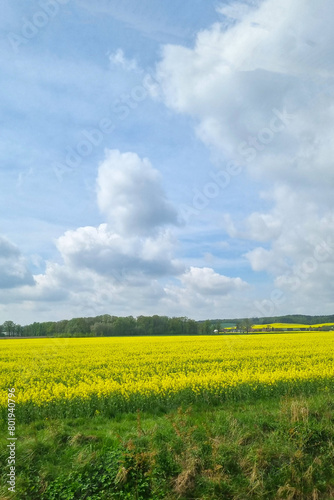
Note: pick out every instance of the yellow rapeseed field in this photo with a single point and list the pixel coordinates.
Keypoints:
(91, 375)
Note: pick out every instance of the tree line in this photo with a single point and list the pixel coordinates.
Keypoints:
(302, 319)
(107, 325)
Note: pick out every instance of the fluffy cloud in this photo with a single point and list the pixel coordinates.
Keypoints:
(129, 262)
(114, 255)
(261, 94)
(82, 291)
(257, 226)
(264, 76)
(205, 293)
(109, 263)
(258, 86)
(135, 241)
(301, 257)
(131, 196)
(127, 265)
(13, 268)
(207, 282)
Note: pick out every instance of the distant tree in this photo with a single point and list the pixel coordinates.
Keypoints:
(125, 326)
(78, 326)
(160, 325)
(36, 329)
(18, 330)
(9, 327)
(174, 326)
(49, 328)
(104, 318)
(246, 325)
(100, 329)
(205, 327)
(144, 325)
(239, 325)
(61, 326)
(216, 326)
(192, 327)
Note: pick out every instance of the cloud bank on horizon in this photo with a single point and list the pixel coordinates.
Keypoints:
(157, 162)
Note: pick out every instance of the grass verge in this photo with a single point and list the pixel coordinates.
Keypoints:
(276, 448)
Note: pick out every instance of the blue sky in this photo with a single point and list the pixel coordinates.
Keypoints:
(165, 158)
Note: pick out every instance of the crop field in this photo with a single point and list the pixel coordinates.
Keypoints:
(76, 377)
(170, 418)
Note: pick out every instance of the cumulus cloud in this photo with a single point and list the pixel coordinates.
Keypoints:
(206, 293)
(206, 281)
(258, 77)
(103, 271)
(130, 195)
(108, 263)
(127, 265)
(13, 268)
(236, 11)
(116, 264)
(257, 226)
(301, 257)
(113, 255)
(258, 86)
(260, 90)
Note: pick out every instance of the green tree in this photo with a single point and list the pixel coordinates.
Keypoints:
(100, 329)
(246, 325)
(125, 326)
(9, 328)
(144, 325)
(78, 326)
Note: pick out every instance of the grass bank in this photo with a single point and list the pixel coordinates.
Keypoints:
(277, 448)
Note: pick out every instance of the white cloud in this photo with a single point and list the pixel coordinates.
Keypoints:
(244, 81)
(128, 265)
(301, 257)
(257, 226)
(205, 293)
(110, 254)
(13, 267)
(261, 93)
(259, 88)
(80, 290)
(236, 10)
(118, 58)
(131, 196)
(207, 282)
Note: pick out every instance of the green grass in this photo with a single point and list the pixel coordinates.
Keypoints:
(266, 449)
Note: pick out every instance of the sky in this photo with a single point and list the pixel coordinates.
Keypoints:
(171, 158)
